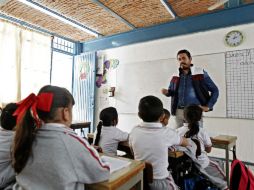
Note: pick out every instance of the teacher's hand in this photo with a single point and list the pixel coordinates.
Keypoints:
(204, 108)
(164, 91)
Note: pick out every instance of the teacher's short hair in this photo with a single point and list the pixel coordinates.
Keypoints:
(184, 51)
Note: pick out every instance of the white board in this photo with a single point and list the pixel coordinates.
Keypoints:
(139, 79)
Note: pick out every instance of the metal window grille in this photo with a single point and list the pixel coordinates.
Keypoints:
(63, 45)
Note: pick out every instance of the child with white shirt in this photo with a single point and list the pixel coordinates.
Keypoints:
(108, 136)
(192, 129)
(47, 153)
(150, 142)
(8, 123)
(165, 118)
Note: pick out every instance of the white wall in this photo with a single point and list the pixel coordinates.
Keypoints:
(198, 44)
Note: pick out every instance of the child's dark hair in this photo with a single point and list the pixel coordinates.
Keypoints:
(150, 109)
(193, 115)
(8, 121)
(26, 128)
(184, 51)
(108, 117)
(166, 112)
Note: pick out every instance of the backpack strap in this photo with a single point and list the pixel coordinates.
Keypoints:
(248, 184)
(234, 153)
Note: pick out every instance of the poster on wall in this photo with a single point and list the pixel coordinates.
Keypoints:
(107, 65)
(84, 69)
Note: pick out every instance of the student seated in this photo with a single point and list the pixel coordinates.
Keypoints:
(164, 120)
(193, 115)
(8, 122)
(47, 153)
(150, 142)
(108, 136)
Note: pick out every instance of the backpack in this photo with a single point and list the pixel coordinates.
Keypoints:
(187, 176)
(241, 177)
(198, 183)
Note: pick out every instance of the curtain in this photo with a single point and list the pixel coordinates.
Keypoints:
(35, 62)
(10, 51)
(83, 87)
(24, 62)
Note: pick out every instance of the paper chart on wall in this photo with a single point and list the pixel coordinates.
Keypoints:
(240, 83)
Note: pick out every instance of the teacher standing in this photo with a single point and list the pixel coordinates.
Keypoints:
(190, 85)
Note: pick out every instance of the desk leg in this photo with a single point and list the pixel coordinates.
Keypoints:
(136, 182)
(227, 165)
(139, 185)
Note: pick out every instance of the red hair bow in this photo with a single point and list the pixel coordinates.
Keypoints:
(42, 102)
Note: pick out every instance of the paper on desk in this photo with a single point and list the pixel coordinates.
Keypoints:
(120, 153)
(115, 163)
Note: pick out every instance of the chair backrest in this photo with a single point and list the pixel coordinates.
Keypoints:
(126, 148)
(148, 175)
(90, 137)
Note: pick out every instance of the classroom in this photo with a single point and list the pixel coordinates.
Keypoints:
(113, 53)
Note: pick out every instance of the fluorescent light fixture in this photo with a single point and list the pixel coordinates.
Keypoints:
(58, 17)
(217, 4)
(168, 9)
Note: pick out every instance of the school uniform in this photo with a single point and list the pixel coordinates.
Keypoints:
(61, 160)
(109, 139)
(7, 174)
(150, 143)
(211, 169)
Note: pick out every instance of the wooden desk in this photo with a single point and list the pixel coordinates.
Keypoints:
(123, 179)
(81, 126)
(225, 142)
(175, 154)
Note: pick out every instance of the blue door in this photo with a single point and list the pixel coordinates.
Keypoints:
(84, 87)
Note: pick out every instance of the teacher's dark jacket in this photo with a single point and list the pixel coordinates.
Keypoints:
(205, 89)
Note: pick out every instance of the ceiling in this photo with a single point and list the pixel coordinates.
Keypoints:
(106, 17)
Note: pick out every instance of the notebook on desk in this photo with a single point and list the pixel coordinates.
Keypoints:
(115, 163)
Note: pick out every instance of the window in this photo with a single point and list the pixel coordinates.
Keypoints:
(24, 62)
(61, 74)
(63, 45)
(62, 63)
(9, 40)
